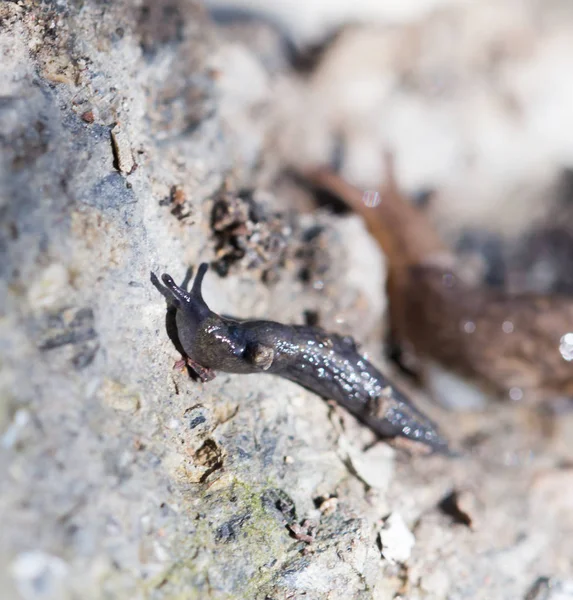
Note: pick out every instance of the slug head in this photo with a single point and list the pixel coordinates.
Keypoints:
(192, 311)
(213, 341)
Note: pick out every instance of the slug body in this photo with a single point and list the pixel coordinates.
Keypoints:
(327, 364)
(514, 345)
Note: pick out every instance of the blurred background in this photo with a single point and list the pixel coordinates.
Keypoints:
(475, 98)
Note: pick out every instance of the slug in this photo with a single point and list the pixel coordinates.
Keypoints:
(518, 346)
(327, 364)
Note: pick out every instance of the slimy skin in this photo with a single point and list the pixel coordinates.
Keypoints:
(327, 364)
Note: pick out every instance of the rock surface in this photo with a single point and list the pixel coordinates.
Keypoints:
(122, 126)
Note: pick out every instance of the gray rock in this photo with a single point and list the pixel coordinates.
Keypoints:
(122, 477)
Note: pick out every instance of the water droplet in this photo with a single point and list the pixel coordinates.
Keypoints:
(507, 327)
(371, 198)
(566, 347)
(516, 394)
(469, 326)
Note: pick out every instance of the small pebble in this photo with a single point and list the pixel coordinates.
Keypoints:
(122, 150)
(396, 539)
(329, 506)
(88, 116)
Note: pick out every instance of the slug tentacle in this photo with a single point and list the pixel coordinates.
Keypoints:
(189, 301)
(178, 292)
(198, 282)
(327, 364)
(164, 291)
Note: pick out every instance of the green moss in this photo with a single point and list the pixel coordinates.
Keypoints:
(245, 561)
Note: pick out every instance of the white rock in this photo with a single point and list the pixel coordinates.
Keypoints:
(122, 150)
(375, 467)
(397, 540)
(39, 575)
